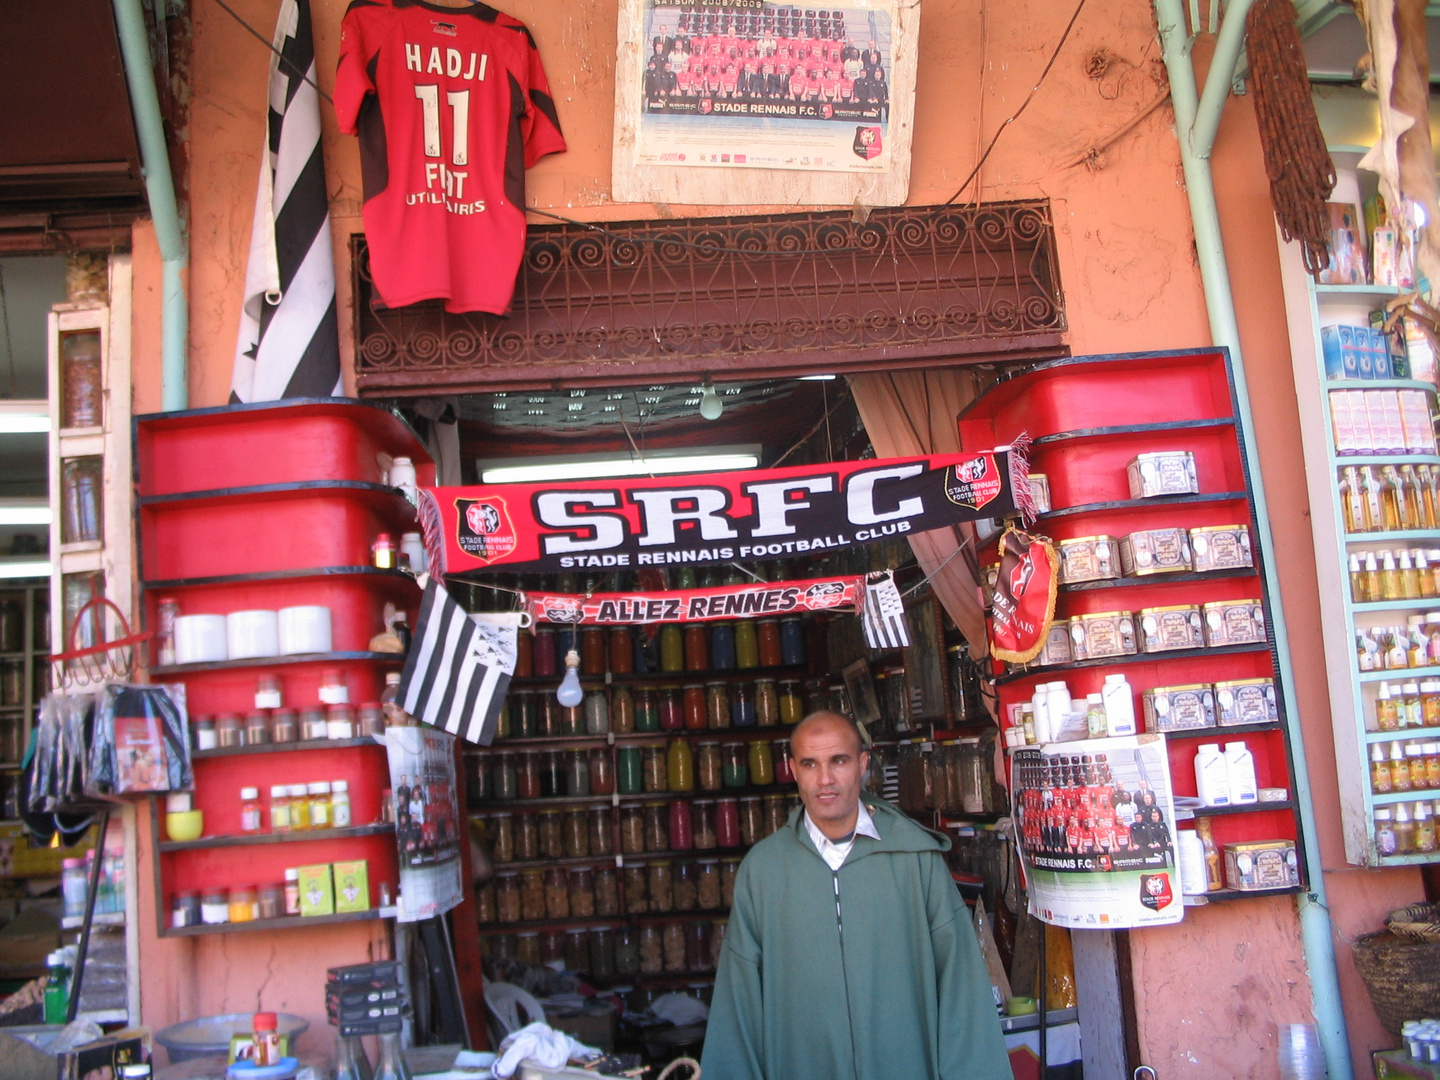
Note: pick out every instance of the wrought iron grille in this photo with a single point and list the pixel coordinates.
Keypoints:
(769, 295)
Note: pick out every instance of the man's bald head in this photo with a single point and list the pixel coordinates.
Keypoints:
(829, 761)
(826, 718)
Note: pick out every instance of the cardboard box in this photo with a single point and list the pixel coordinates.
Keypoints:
(317, 890)
(1397, 1063)
(103, 1057)
(352, 886)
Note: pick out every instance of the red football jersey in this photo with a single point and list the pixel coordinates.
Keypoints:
(451, 106)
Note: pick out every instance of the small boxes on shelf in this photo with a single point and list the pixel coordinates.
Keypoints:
(1168, 472)
(1261, 864)
(1155, 551)
(317, 890)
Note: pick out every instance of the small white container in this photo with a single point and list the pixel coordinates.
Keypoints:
(413, 548)
(1240, 769)
(402, 475)
(1191, 857)
(200, 639)
(251, 634)
(1119, 706)
(1212, 775)
(304, 629)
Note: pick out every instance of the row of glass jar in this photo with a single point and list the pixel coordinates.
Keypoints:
(1414, 645)
(1405, 574)
(1404, 766)
(954, 777)
(623, 650)
(1405, 828)
(604, 952)
(716, 706)
(632, 770)
(588, 892)
(263, 726)
(677, 825)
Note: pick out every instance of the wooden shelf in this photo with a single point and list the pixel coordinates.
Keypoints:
(289, 922)
(1190, 812)
(777, 788)
(1409, 674)
(1400, 535)
(669, 678)
(283, 748)
(1137, 658)
(1386, 459)
(304, 836)
(278, 661)
(1142, 504)
(285, 575)
(708, 734)
(1218, 732)
(588, 922)
(1395, 605)
(1403, 735)
(382, 494)
(626, 859)
(1178, 578)
(1133, 429)
(1221, 895)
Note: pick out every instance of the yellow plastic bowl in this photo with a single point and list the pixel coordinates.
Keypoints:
(187, 825)
(1021, 1006)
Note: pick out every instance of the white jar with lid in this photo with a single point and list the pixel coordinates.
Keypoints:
(319, 793)
(413, 548)
(402, 475)
(340, 803)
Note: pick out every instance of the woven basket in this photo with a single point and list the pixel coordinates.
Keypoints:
(1418, 922)
(1402, 976)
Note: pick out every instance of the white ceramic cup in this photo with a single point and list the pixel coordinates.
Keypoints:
(251, 634)
(200, 639)
(304, 629)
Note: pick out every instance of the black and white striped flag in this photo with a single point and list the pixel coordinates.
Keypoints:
(882, 614)
(288, 344)
(459, 667)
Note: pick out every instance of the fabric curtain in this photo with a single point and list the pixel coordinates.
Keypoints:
(913, 412)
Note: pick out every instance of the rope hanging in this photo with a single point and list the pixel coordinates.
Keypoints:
(1296, 161)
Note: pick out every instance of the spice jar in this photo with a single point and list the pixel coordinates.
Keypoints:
(622, 711)
(707, 884)
(241, 904)
(697, 945)
(717, 705)
(597, 713)
(657, 828)
(762, 766)
(557, 892)
(542, 652)
(775, 813)
(552, 943)
(647, 711)
(250, 810)
(552, 835)
(257, 727)
(747, 648)
(627, 950)
(622, 650)
(729, 869)
(320, 806)
(784, 766)
(694, 706)
(527, 947)
(313, 725)
(215, 907)
(602, 952)
(708, 770)
(792, 707)
(697, 648)
(673, 936)
(592, 651)
(299, 807)
(632, 830)
(735, 767)
(333, 688)
(659, 886)
(634, 875)
(547, 716)
(680, 836)
(602, 834)
(717, 940)
(502, 947)
(607, 892)
(652, 953)
(577, 773)
(279, 808)
(185, 910)
(484, 899)
(340, 722)
(702, 824)
(742, 705)
(685, 886)
(572, 719)
(752, 821)
(657, 776)
(680, 766)
(527, 774)
(671, 714)
(230, 729)
(577, 951)
(502, 837)
(203, 734)
(767, 638)
(792, 642)
(722, 646)
(504, 785)
(532, 894)
(582, 892)
(672, 648)
(527, 838)
(552, 774)
(284, 726)
(577, 834)
(767, 703)
(727, 823)
(629, 773)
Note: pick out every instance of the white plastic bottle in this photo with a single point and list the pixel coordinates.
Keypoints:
(1040, 710)
(1240, 773)
(1212, 775)
(1119, 706)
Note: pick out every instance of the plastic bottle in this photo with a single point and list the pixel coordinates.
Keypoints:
(250, 810)
(1414, 710)
(340, 803)
(1425, 836)
(1384, 832)
(1213, 874)
(1404, 830)
(1372, 576)
(1380, 782)
(265, 1040)
(320, 805)
(1387, 710)
(1191, 858)
(1058, 704)
(1041, 713)
(1095, 724)
(1358, 592)
(1399, 768)
(1212, 775)
(57, 988)
(280, 808)
(1409, 576)
(1119, 706)
(1240, 770)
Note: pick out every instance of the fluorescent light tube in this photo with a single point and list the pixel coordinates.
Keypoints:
(25, 515)
(29, 568)
(581, 467)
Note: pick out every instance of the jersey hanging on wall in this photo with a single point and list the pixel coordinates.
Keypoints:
(451, 106)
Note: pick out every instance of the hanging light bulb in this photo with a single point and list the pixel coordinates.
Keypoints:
(710, 404)
(570, 692)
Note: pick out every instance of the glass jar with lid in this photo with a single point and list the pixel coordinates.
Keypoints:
(671, 713)
(627, 950)
(572, 719)
(577, 834)
(657, 827)
(552, 774)
(767, 703)
(577, 773)
(735, 767)
(656, 768)
(632, 829)
(679, 827)
(602, 771)
(557, 893)
(592, 651)
(547, 718)
(502, 837)
(717, 940)
(727, 823)
(622, 650)
(697, 648)
(684, 885)
(702, 824)
(767, 640)
(532, 894)
(524, 712)
(729, 868)
(552, 943)
(707, 884)
(622, 711)
(629, 770)
(527, 947)
(775, 813)
(792, 642)
(697, 945)
(652, 952)
(552, 834)
(680, 765)
(597, 713)
(693, 705)
(647, 711)
(742, 705)
(602, 952)
(230, 729)
(752, 821)
(784, 766)
(582, 892)
(747, 648)
(673, 937)
(257, 727)
(634, 875)
(672, 648)
(792, 705)
(527, 774)
(504, 784)
(507, 897)
(709, 774)
(602, 832)
(722, 646)
(762, 765)
(484, 899)
(659, 886)
(607, 892)
(527, 838)
(717, 705)
(577, 951)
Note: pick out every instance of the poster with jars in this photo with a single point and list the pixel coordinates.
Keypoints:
(1096, 824)
(427, 820)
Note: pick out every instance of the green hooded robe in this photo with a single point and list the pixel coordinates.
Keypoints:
(871, 972)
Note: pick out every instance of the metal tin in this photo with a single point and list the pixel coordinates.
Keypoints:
(1177, 626)
(1168, 472)
(988, 577)
(1220, 547)
(1040, 492)
(1245, 701)
(1102, 633)
(1154, 551)
(1057, 648)
(1234, 622)
(1179, 708)
(1261, 864)
(1088, 558)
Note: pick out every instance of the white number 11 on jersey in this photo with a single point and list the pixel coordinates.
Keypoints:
(459, 101)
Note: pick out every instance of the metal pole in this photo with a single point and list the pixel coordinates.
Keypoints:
(1197, 119)
(78, 979)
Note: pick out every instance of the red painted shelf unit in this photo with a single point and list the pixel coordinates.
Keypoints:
(1088, 418)
(264, 507)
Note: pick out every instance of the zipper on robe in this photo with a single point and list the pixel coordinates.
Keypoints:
(845, 975)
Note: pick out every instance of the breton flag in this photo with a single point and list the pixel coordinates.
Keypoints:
(288, 344)
(459, 667)
(882, 614)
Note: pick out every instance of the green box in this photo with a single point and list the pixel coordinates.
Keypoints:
(352, 886)
(317, 890)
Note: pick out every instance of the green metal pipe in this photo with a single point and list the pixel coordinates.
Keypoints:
(1197, 119)
(164, 209)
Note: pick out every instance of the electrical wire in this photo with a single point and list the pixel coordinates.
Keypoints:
(271, 46)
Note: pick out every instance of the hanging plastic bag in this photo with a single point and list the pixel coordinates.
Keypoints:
(41, 768)
(139, 742)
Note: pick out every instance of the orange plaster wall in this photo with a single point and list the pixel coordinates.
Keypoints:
(1210, 991)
